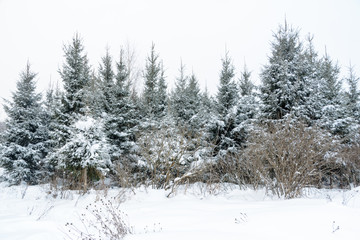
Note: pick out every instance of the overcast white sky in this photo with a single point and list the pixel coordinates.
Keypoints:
(195, 31)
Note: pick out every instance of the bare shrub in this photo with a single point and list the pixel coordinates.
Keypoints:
(288, 157)
(167, 153)
(102, 220)
(351, 156)
(122, 175)
(211, 176)
(63, 182)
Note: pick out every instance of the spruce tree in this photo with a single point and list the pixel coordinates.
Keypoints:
(80, 105)
(331, 84)
(312, 111)
(122, 74)
(186, 103)
(245, 85)
(93, 96)
(196, 118)
(334, 117)
(76, 75)
(85, 156)
(179, 98)
(161, 95)
(222, 124)
(247, 109)
(207, 104)
(53, 107)
(122, 119)
(283, 79)
(227, 91)
(353, 94)
(107, 76)
(193, 98)
(152, 75)
(25, 141)
(352, 105)
(206, 108)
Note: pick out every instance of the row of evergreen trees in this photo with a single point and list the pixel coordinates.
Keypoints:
(96, 126)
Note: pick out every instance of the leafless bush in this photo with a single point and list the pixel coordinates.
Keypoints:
(123, 174)
(211, 177)
(351, 156)
(167, 153)
(62, 182)
(103, 220)
(288, 157)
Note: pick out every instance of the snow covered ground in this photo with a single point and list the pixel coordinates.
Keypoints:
(32, 213)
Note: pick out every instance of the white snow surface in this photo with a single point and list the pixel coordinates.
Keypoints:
(32, 213)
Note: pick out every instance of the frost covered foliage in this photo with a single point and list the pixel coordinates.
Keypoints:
(229, 135)
(222, 123)
(221, 134)
(122, 115)
(25, 140)
(86, 155)
(352, 96)
(227, 92)
(187, 105)
(298, 83)
(75, 74)
(154, 95)
(246, 116)
(353, 105)
(333, 113)
(179, 98)
(284, 83)
(228, 130)
(167, 154)
(106, 76)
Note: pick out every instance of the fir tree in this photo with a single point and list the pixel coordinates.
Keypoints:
(85, 156)
(312, 111)
(352, 105)
(75, 74)
(25, 141)
(333, 115)
(186, 103)
(230, 132)
(79, 102)
(283, 79)
(107, 76)
(221, 125)
(93, 97)
(207, 103)
(179, 98)
(122, 74)
(353, 94)
(193, 97)
(247, 109)
(121, 122)
(161, 95)
(245, 85)
(227, 91)
(331, 85)
(151, 75)
(53, 112)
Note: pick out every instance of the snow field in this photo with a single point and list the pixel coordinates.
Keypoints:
(31, 213)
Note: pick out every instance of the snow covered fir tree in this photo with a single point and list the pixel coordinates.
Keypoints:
(94, 126)
(26, 138)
